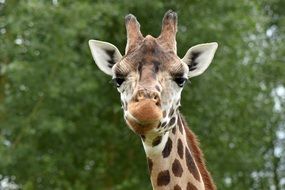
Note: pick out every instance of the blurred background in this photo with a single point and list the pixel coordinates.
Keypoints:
(61, 125)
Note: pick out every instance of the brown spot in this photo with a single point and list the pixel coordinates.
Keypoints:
(156, 141)
(177, 187)
(177, 103)
(190, 186)
(163, 178)
(171, 112)
(177, 168)
(143, 137)
(174, 130)
(180, 125)
(167, 149)
(150, 164)
(156, 65)
(172, 121)
(163, 124)
(198, 156)
(191, 164)
(158, 125)
(157, 88)
(180, 148)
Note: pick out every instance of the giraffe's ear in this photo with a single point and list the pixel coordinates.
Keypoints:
(105, 55)
(199, 57)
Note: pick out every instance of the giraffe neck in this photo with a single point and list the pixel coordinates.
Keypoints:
(175, 160)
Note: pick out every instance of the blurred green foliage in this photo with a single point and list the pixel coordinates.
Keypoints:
(61, 126)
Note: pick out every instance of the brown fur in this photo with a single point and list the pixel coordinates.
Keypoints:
(146, 56)
(193, 143)
(150, 68)
(149, 50)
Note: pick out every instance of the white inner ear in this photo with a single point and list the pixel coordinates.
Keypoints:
(105, 55)
(199, 57)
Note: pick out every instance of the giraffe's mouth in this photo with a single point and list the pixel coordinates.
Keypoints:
(143, 116)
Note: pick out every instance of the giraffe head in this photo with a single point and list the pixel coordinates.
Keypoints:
(150, 76)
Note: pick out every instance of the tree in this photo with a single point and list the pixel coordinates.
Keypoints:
(61, 126)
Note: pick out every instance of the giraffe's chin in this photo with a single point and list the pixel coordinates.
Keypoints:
(139, 128)
(143, 116)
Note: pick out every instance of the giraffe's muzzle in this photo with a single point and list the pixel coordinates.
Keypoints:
(144, 111)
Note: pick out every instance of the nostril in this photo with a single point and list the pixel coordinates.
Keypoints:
(139, 96)
(158, 103)
(156, 98)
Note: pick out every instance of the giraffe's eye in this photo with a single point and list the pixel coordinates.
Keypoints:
(180, 81)
(118, 81)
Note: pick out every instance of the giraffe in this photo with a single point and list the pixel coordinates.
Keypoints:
(150, 78)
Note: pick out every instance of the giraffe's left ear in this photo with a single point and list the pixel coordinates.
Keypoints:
(199, 57)
(105, 55)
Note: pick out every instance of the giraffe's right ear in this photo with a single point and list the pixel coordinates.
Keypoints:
(105, 55)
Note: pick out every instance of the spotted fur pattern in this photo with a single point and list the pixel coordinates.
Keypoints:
(150, 78)
(175, 163)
